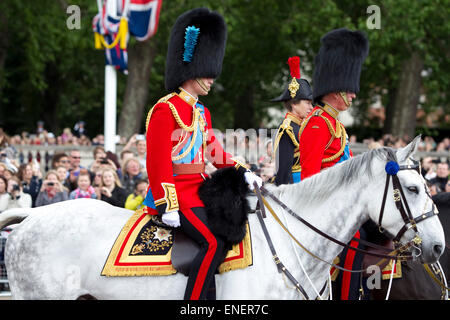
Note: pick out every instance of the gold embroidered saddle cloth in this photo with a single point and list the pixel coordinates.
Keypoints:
(145, 248)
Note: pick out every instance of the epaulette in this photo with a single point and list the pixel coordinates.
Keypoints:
(338, 133)
(196, 118)
(164, 100)
(316, 113)
(285, 127)
(197, 121)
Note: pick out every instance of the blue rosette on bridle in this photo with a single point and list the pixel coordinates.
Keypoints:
(392, 168)
(190, 41)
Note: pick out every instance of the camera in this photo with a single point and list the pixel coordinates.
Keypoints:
(104, 161)
(50, 183)
(16, 187)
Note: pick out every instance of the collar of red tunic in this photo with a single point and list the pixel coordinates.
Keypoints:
(187, 97)
(330, 110)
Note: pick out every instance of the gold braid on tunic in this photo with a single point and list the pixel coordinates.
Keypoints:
(338, 133)
(287, 128)
(197, 120)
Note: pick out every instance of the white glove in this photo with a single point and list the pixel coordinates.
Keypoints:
(171, 218)
(250, 177)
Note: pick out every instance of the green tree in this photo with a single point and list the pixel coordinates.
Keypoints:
(52, 73)
(261, 37)
(408, 57)
(49, 73)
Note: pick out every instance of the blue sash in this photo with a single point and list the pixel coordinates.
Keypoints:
(346, 154)
(296, 176)
(188, 158)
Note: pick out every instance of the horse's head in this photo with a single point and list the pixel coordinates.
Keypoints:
(405, 210)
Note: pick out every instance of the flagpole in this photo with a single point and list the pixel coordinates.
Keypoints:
(110, 116)
(99, 5)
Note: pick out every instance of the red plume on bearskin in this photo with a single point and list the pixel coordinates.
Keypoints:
(294, 66)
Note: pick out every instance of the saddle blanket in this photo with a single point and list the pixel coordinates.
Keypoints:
(144, 248)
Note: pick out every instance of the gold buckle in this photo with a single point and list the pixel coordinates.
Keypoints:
(396, 195)
(417, 240)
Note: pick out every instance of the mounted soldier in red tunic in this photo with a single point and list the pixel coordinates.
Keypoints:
(323, 139)
(180, 137)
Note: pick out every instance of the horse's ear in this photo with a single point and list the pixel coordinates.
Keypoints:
(404, 153)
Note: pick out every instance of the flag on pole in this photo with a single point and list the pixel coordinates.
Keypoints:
(111, 34)
(138, 18)
(143, 17)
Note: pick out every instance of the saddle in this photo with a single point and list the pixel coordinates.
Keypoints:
(224, 196)
(146, 246)
(184, 249)
(183, 252)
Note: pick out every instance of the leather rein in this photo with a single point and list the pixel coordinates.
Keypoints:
(400, 200)
(402, 206)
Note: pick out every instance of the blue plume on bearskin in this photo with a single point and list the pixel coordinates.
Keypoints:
(207, 53)
(190, 42)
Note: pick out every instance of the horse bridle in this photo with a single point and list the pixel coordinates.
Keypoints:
(401, 203)
(391, 168)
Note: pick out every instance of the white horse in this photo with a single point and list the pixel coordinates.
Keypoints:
(59, 250)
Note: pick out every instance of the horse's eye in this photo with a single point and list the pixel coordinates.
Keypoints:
(413, 189)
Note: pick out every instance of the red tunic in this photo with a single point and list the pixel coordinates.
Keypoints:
(322, 140)
(165, 138)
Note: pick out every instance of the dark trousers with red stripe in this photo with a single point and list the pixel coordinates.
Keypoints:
(194, 223)
(349, 283)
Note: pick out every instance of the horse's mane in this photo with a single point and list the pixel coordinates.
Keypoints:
(320, 186)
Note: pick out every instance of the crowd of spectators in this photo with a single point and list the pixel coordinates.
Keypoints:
(435, 171)
(427, 144)
(121, 179)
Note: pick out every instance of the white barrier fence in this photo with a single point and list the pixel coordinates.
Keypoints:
(252, 153)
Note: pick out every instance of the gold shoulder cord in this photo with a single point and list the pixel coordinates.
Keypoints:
(149, 114)
(305, 122)
(285, 127)
(193, 127)
(338, 133)
(175, 114)
(342, 133)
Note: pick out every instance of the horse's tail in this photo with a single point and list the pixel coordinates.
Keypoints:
(13, 216)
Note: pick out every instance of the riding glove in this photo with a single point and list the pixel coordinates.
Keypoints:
(171, 218)
(250, 177)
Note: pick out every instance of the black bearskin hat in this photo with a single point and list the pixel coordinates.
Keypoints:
(196, 47)
(339, 61)
(297, 89)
